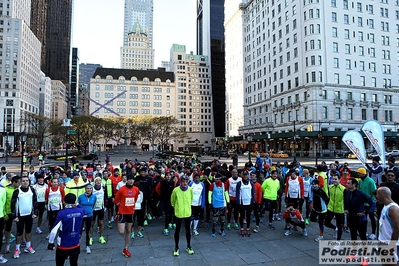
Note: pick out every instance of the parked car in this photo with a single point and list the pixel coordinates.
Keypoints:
(224, 154)
(2, 154)
(394, 153)
(280, 154)
(16, 154)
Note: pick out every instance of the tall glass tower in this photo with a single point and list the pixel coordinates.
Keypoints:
(142, 11)
(210, 42)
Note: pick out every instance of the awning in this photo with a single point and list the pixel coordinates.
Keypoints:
(240, 142)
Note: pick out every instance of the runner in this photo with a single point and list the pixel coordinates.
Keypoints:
(98, 211)
(230, 186)
(126, 199)
(138, 213)
(24, 206)
(164, 190)
(69, 222)
(258, 195)
(87, 201)
(218, 198)
(2, 209)
(293, 217)
(54, 198)
(10, 188)
(198, 203)
(319, 210)
(40, 188)
(181, 200)
(245, 199)
(270, 188)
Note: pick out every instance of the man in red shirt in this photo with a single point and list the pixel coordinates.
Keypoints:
(126, 199)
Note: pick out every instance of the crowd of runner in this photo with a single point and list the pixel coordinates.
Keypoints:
(223, 198)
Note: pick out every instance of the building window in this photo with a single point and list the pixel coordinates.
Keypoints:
(350, 114)
(325, 112)
(337, 113)
(364, 114)
(336, 78)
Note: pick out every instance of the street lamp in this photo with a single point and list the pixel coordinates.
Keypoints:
(23, 138)
(249, 138)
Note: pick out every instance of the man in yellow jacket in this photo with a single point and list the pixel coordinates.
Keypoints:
(181, 199)
(76, 185)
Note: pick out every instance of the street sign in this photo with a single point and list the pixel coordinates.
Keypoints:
(71, 132)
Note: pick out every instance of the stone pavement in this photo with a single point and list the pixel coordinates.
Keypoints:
(268, 247)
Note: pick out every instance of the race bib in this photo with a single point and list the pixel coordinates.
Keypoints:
(129, 202)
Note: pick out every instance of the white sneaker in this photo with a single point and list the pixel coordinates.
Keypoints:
(195, 232)
(112, 219)
(372, 237)
(335, 233)
(2, 259)
(287, 232)
(38, 231)
(88, 251)
(319, 238)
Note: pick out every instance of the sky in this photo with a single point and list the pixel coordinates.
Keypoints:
(97, 29)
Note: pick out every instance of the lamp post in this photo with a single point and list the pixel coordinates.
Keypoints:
(6, 149)
(197, 141)
(249, 138)
(23, 138)
(294, 141)
(66, 151)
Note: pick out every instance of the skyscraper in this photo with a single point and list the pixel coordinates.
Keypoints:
(210, 42)
(142, 11)
(51, 23)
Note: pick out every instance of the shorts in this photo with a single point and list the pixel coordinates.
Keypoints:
(125, 218)
(216, 212)
(99, 214)
(110, 204)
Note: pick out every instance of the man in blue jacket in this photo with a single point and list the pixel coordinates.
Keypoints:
(69, 222)
(354, 201)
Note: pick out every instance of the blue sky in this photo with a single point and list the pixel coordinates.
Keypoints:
(97, 29)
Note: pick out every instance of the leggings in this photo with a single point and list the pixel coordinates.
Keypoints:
(187, 222)
(231, 206)
(61, 256)
(87, 223)
(339, 218)
(245, 211)
(51, 218)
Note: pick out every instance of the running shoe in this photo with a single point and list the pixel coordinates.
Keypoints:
(304, 232)
(29, 250)
(16, 254)
(174, 226)
(126, 253)
(112, 219)
(236, 226)
(306, 221)
(88, 251)
(248, 232)
(91, 241)
(149, 217)
(278, 218)
(256, 230)
(195, 232)
(223, 233)
(169, 226)
(39, 231)
(287, 232)
(176, 252)
(132, 235)
(7, 249)
(319, 238)
(271, 226)
(2, 259)
(140, 234)
(372, 237)
(228, 226)
(109, 225)
(165, 232)
(213, 234)
(242, 232)
(190, 251)
(102, 240)
(145, 222)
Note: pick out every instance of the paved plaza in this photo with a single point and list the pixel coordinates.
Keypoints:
(268, 247)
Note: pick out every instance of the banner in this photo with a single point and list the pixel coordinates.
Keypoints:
(374, 132)
(354, 141)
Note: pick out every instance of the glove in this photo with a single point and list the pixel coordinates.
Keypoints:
(50, 246)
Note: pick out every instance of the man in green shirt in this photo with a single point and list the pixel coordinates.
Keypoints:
(367, 186)
(270, 188)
